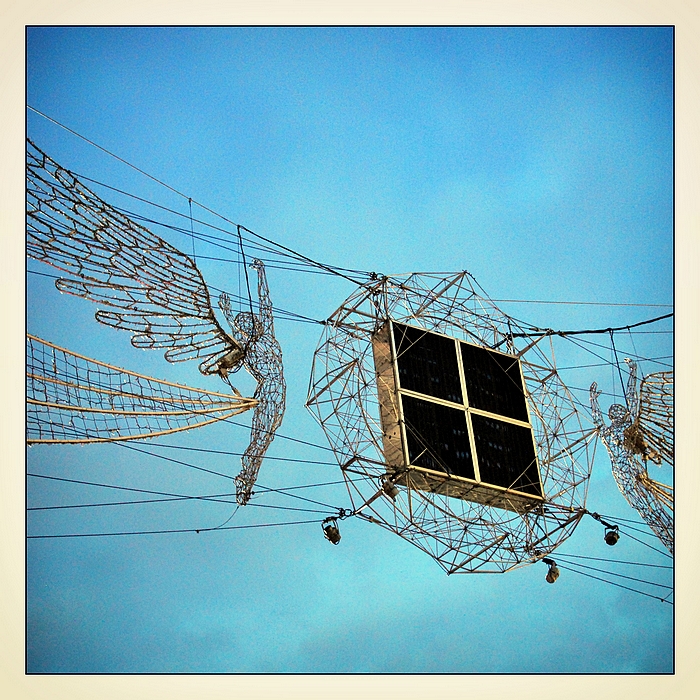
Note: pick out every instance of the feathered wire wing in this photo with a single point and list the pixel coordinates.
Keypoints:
(143, 284)
(655, 417)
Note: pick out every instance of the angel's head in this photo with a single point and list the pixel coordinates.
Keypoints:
(618, 414)
(248, 325)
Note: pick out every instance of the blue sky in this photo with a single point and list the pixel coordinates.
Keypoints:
(539, 159)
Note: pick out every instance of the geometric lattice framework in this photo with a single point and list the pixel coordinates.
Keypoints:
(639, 433)
(359, 389)
(74, 399)
(154, 291)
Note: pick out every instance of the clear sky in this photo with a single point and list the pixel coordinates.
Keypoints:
(539, 159)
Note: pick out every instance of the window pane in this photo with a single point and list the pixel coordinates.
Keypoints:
(437, 437)
(506, 454)
(427, 363)
(493, 382)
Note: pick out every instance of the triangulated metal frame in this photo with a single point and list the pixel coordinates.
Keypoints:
(462, 536)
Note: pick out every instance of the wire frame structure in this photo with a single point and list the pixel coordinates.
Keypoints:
(74, 399)
(351, 396)
(262, 358)
(639, 433)
(152, 290)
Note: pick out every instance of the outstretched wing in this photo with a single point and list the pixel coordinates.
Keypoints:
(656, 414)
(142, 283)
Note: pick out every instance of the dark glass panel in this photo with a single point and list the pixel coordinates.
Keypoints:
(427, 363)
(506, 454)
(437, 437)
(493, 382)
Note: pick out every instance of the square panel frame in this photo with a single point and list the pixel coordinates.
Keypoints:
(395, 443)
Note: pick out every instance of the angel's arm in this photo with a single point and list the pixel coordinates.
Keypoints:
(631, 396)
(595, 406)
(264, 302)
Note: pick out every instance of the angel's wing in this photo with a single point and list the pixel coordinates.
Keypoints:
(143, 284)
(656, 414)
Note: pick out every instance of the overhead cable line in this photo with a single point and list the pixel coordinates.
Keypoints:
(535, 332)
(579, 303)
(209, 450)
(615, 561)
(119, 488)
(613, 583)
(613, 573)
(215, 498)
(168, 497)
(182, 530)
(300, 256)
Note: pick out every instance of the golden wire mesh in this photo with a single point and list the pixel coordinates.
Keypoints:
(74, 399)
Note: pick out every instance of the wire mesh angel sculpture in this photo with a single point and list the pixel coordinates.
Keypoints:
(262, 358)
(641, 432)
(148, 287)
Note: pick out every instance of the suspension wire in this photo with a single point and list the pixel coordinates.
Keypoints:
(120, 488)
(170, 459)
(612, 573)
(623, 520)
(194, 254)
(578, 303)
(239, 454)
(302, 510)
(335, 271)
(182, 530)
(584, 341)
(272, 249)
(641, 531)
(284, 437)
(267, 489)
(606, 364)
(247, 279)
(615, 561)
(216, 498)
(632, 537)
(581, 343)
(536, 332)
(287, 261)
(613, 583)
(282, 314)
(193, 466)
(617, 364)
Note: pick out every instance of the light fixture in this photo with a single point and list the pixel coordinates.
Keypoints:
(552, 572)
(389, 487)
(330, 530)
(612, 535)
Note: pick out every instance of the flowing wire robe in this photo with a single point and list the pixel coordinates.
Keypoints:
(625, 443)
(263, 360)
